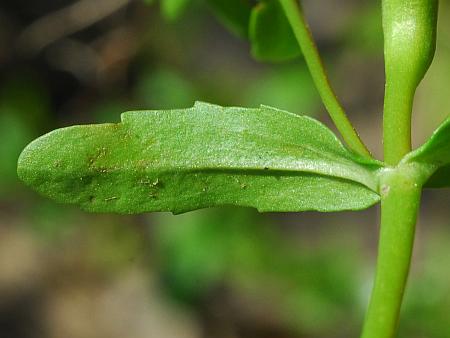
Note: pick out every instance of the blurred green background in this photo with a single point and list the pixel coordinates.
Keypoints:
(219, 273)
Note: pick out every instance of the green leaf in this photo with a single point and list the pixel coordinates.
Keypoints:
(234, 14)
(204, 156)
(271, 36)
(435, 154)
(173, 9)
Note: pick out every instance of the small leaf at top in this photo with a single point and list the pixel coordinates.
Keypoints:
(234, 14)
(204, 156)
(271, 35)
(435, 153)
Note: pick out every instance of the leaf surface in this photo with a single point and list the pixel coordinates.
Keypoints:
(435, 153)
(271, 36)
(204, 156)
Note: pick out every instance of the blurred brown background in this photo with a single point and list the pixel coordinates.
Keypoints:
(222, 273)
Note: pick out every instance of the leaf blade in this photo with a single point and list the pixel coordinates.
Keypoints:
(180, 160)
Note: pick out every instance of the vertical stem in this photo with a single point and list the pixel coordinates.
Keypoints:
(399, 205)
(303, 35)
(398, 104)
(409, 42)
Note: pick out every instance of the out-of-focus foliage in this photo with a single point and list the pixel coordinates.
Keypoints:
(364, 30)
(234, 14)
(432, 104)
(165, 89)
(428, 294)
(271, 35)
(24, 109)
(172, 9)
(280, 87)
(243, 250)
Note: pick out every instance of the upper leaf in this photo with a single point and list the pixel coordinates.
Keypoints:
(234, 14)
(207, 155)
(435, 153)
(271, 35)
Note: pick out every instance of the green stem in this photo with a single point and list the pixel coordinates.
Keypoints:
(399, 205)
(298, 23)
(398, 103)
(409, 29)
